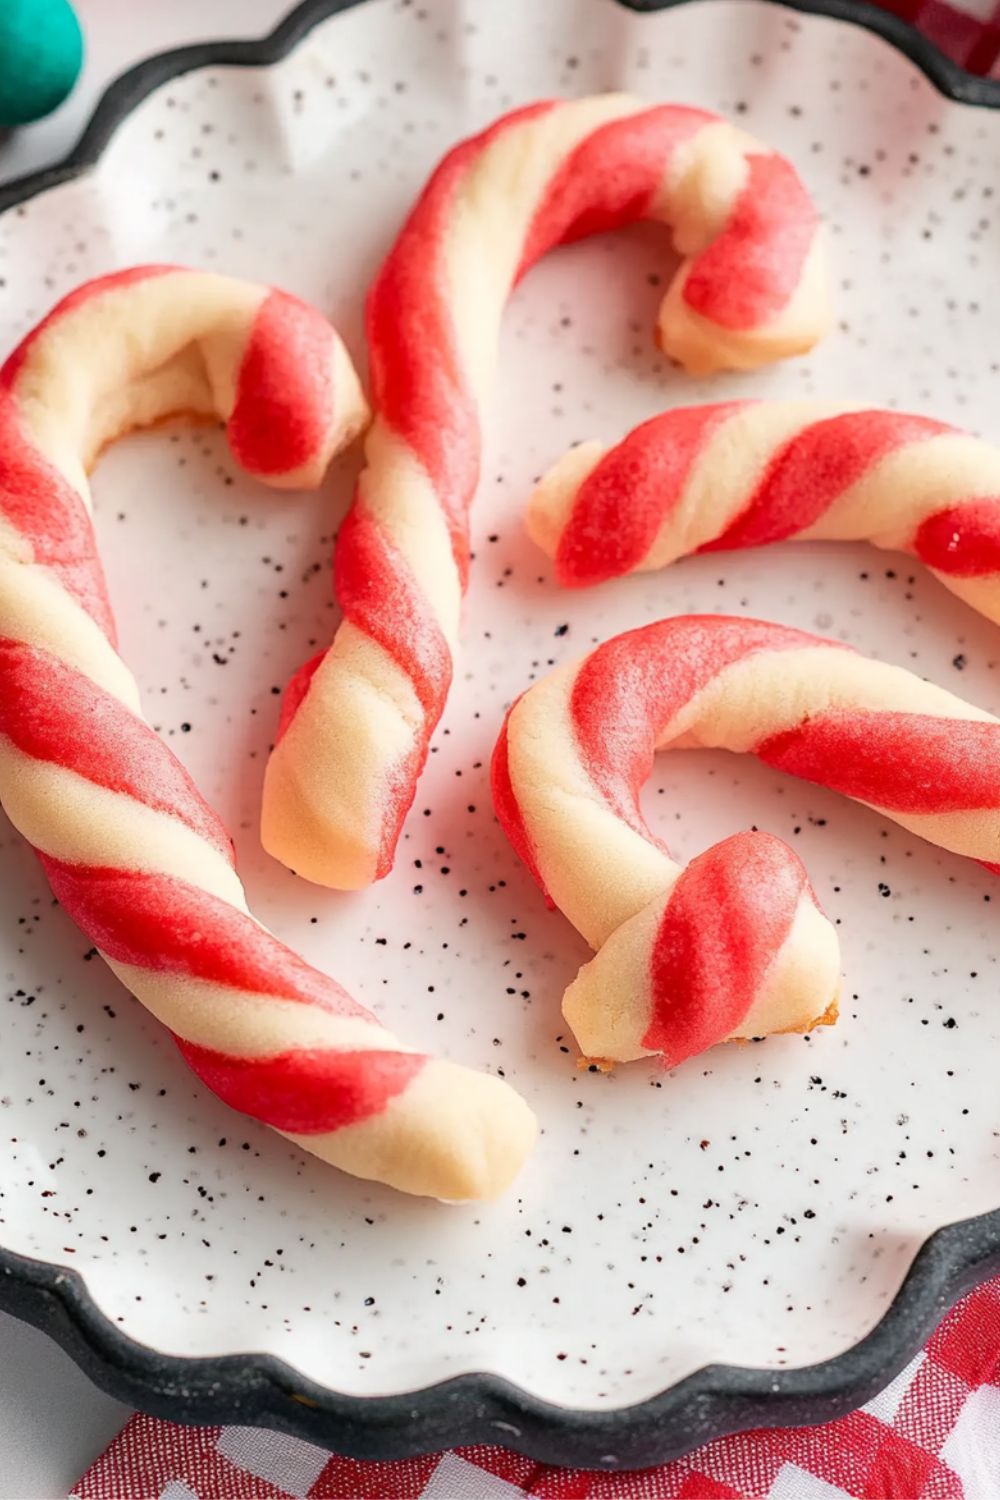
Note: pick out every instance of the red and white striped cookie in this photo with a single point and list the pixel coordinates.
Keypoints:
(744, 473)
(751, 288)
(132, 851)
(734, 945)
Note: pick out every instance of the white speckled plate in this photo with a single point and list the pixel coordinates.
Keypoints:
(760, 1206)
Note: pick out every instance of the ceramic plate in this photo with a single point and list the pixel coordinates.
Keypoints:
(756, 1211)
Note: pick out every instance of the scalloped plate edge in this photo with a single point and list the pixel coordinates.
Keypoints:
(260, 1390)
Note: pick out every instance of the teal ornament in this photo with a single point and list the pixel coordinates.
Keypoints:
(41, 52)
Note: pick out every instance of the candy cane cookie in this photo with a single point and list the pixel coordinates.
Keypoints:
(733, 945)
(751, 288)
(132, 852)
(744, 473)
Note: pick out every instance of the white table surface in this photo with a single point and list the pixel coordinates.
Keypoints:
(53, 1422)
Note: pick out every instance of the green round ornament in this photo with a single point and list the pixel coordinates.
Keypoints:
(41, 52)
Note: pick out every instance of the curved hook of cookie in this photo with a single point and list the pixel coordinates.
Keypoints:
(735, 944)
(744, 473)
(131, 849)
(751, 288)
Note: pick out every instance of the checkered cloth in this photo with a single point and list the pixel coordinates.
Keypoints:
(968, 33)
(933, 1434)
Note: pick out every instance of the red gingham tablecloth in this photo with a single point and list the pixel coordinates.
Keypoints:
(933, 1434)
(968, 33)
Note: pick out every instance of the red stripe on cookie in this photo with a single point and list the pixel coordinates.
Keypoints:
(284, 407)
(964, 540)
(306, 1092)
(380, 596)
(295, 691)
(949, 765)
(160, 923)
(43, 507)
(508, 809)
(418, 384)
(628, 689)
(814, 468)
(52, 713)
(751, 270)
(611, 178)
(622, 503)
(727, 917)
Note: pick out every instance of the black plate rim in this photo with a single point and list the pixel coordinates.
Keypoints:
(258, 1389)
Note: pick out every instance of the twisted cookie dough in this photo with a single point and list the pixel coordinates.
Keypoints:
(751, 288)
(131, 850)
(733, 945)
(745, 473)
